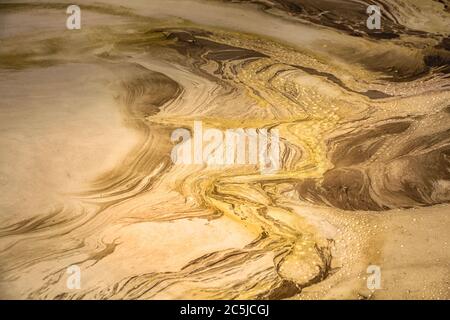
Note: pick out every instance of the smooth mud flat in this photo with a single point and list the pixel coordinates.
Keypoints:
(87, 177)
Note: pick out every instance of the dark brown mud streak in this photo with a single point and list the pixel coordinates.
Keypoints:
(384, 167)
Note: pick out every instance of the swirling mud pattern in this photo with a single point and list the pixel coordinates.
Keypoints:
(88, 178)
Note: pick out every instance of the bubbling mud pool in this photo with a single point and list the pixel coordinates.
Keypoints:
(87, 177)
